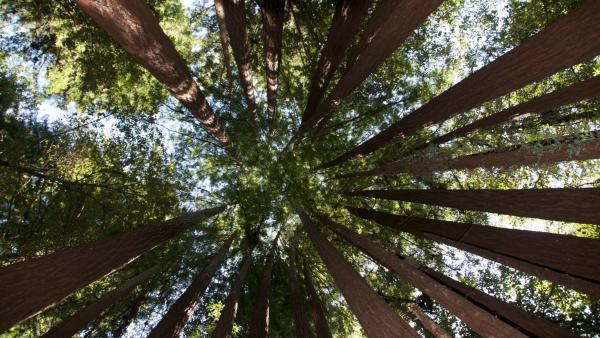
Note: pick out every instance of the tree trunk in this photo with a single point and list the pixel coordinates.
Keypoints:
(317, 311)
(484, 323)
(235, 21)
(259, 325)
(131, 314)
(301, 324)
(134, 27)
(272, 12)
(372, 312)
(32, 286)
(225, 324)
(535, 59)
(70, 326)
(224, 38)
(560, 258)
(173, 322)
(428, 323)
(560, 204)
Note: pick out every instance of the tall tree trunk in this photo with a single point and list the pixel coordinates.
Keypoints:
(317, 311)
(224, 38)
(478, 319)
(259, 324)
(174, 321)
(32, 286)
(134, 27)
(225, 323)
(272, 12)
(535, 59)
(301, 324)
(560, 258)
(235, 21)
(559, 204)
(131, 314)
(77, 322)
(428, 323)
(372, 312)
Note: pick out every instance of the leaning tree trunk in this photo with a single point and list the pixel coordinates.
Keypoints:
(70, 326)
(134, 27)
(173, 322)
(428, 323)
(224, 37)
(535, 59)
(131, 314)
(318, 313)
(32, 286)
(559, 258)
(372, 312)
(229, 312)
(301, 324)
(559, 204)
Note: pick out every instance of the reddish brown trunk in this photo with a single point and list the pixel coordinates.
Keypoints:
(560, 204)
(478, 319)
(30, 287)
(372, 312)
(224, 38)
(225, 323)
(535, 59)
(301, 325)
(134, 27)
(318, 314)
(77, 322)
(428, 323)
(173, 322)
(235, 21)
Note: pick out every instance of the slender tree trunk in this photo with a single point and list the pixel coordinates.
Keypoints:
(317, 311)
(478, 319)
(272, 12)
(32, 286)
(224, 38)
(428, 323)
(372, 312)
(70, 326)
(34, 172)
(173, 322)
(131, 314)
(259, 325)
(134, 27)
(225, 323)
(235, 21)
(560, 258)
(535, 59)
(301, 324)
(559, 204)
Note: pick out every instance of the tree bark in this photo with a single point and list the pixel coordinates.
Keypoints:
(535, 59)
(478, 319)
(224, 38)
(174, 321)
(32, 286)
(225, 323)
(372, 312)
(131, 314)
(428, 323)
(70, 326)
(559, 204)
(133, 26)
(301, 324)
(259, 324)
(318, 314)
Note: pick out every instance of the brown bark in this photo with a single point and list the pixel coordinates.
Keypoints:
(32, 286)
(235, 21)
(318, 314)
(229, 312)
(301, 325)
(174, 321)
(77, 322)
(224, 38)
(134, 27)
(272, 12)
(560, 204)
(478, 319)
(535, 59)
(428, 323)
(259, 324)
(559, 258)
(372, 312)
(131, 314)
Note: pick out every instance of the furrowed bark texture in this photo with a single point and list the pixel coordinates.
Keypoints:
(70, 326)
(32, 286)
(172, 323)
(428, 323)
(133, 26)
(535, 59)
(301, 325)
(559, 204)
(318, 314)
(372, 312)
(224, 38)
